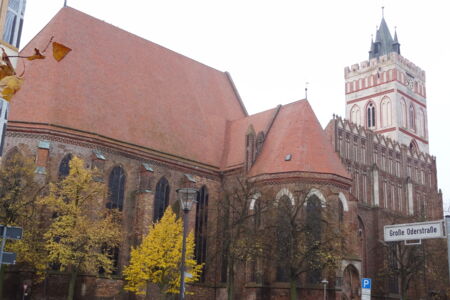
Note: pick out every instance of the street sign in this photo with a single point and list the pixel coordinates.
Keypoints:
(366, 283)
(8, 258)
(12, 233)
(414, 231)
(366, 286)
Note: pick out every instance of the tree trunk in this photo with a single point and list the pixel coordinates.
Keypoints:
(73, 279)
(2, 277)
(293, 288)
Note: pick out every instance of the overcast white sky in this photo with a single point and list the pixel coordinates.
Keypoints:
(271, 48)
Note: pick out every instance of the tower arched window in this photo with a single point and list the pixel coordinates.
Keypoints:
(161, 199)
(64, 166)
(386, 112)
(201, 225)
(403, 112)
(421, 122)
(116, 187)
(355, 115)
(371, 115)
(412, 118)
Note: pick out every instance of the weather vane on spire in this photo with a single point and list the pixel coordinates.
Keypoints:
(306, 90)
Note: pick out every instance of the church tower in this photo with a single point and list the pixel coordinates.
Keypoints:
(387, 93)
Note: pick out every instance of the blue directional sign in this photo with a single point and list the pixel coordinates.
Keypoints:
(8, 258)
(12, 233)
(366, 283)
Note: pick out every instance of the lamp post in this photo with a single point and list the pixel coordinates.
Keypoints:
(324, 282)
(187, 197)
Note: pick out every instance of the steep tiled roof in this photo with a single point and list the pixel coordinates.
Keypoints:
(117, 85)
(296, 131)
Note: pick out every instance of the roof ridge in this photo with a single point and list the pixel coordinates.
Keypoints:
(236, 92)
(125, 31)
(269, 126)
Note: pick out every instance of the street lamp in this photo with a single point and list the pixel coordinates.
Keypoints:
(187, 197)
(324, 282)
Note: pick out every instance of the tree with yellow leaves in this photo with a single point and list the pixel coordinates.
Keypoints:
(82, 226)
(157, 259)
(18, 207)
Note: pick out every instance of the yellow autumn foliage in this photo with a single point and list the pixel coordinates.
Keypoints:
(82, 225)
(157, 259)
(9, 86)
(18, 207)
(60, 51)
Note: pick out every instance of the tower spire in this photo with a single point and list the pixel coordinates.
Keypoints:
(384, 43)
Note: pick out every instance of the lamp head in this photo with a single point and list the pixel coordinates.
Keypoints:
(187, 197)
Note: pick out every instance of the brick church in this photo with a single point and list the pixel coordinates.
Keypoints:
(152, 121)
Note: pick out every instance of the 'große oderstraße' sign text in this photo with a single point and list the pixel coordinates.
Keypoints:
(414, 231)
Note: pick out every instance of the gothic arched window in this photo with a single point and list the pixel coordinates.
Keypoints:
(412, 118)
(259, 142)
(64, 166)
(116, 188)
(355, 115)
(421, 122)
(340, 212)
(386, 112)
(250, 148)
(284, 238)
(161, 199)
(201, 225)
(404, 114)
(314, 227)
(371, 115)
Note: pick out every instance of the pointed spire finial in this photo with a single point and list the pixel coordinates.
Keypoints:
(382, 11)
(65, 3)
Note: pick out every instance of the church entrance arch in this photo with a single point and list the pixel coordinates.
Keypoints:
(350, 289)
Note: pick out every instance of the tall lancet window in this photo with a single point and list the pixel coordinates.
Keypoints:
(386, 114)
(161, 199)
(403, 111)
(371, 115)
(314, 229)
(412, 118)
(421, 122)
(201, 224)
(14, 22)
(116, 187)
(64, 166)
(284, 239)
(355, 115)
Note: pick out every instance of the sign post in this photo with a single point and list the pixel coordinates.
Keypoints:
(366, 287)
(447, 227)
